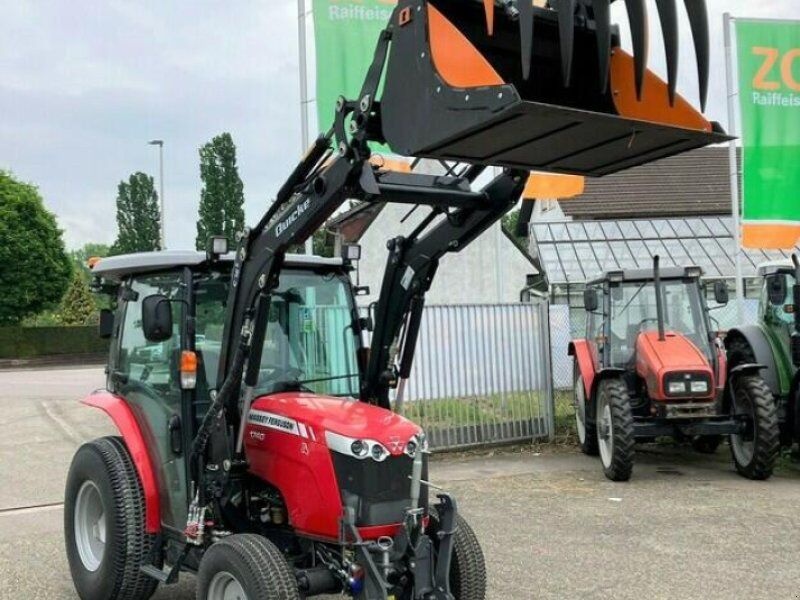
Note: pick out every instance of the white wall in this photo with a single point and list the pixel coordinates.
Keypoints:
(489, 270)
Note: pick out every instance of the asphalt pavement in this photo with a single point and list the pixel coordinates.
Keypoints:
(551, 526)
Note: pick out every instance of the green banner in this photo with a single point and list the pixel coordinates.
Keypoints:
(346, 33)
(769, 85)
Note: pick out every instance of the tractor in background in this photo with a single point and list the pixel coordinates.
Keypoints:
(774, 341)
(651, 366)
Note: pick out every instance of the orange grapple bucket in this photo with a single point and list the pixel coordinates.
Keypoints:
(542, 89)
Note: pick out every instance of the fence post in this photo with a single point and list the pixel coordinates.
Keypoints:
(544, 315)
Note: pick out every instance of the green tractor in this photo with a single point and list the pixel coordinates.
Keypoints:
(775, 342)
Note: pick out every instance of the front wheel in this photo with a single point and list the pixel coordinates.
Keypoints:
(587, 434)
(755, 449)
(467, 565)
(615, 437)
(104, 530)
(245, 567)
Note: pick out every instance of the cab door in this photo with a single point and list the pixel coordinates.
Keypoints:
(147, 375)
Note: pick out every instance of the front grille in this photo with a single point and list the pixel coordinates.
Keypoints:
(378, 492)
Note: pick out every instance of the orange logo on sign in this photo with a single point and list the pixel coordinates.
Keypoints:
(766, 78)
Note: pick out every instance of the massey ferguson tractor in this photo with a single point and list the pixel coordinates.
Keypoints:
(257, 447)
(652, 366)
(775, 342)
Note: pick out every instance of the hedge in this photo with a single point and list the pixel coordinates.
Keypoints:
(30, 342)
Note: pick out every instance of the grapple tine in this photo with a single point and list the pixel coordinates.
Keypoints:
(525, 8)
(566, 36)
(488, 7)
(698, 19)
(668, 14)
(637, 15)
(602, 18)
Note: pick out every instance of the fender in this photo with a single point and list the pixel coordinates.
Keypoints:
(591, 379)
(762, 349)
(122, 415)
(579, 349)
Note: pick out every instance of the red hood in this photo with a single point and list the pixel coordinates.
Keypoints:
(676, 353)
(317, 414)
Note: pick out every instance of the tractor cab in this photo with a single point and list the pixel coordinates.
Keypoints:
(651, 366)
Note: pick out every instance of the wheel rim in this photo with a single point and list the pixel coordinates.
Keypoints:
(580, 411)
(743, 444)
(90, 526)
(605, 431)
(225, 586)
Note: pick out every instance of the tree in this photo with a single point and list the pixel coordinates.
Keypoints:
(34, 267)
(77, 305)
(222, 197)
(138, 218)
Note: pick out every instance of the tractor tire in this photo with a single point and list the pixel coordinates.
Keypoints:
(706, 444)
(585, 427)
(247, 566)
(614, 420)
(104, 524)
(754, 453)
(467, 565)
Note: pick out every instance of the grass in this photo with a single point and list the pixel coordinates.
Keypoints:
(473, 410)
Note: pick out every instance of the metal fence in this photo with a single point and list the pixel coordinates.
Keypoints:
(481, 375)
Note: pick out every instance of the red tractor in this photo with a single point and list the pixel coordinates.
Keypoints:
(651, 366)
(257, 447)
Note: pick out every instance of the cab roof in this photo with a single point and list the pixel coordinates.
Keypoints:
(118, 267)
(649, 274)
(775, 266)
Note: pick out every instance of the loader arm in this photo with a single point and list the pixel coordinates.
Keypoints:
(458, 90)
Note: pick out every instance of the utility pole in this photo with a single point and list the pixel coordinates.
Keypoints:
(160, 144)
(304, 133)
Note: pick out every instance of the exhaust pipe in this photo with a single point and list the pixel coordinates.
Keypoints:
(659, 302)
(795, 342)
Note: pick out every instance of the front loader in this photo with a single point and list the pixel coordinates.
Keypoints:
(257, 445)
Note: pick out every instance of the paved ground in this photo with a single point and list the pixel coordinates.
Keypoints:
(551, 526)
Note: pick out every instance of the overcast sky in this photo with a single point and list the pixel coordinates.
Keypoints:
(84, 86)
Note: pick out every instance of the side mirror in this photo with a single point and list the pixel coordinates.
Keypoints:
(156, 318)
(776, 289)
(106, 326)
(590, 300)
(720, 292)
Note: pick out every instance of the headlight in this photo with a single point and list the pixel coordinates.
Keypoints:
(676, 387)
(700, 387)
(418, 443)
(360, 449)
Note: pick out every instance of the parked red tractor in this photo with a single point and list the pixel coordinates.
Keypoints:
(257, 443)
(651, 366)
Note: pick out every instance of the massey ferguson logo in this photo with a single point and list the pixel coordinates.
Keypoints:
(395, 445)
(258, 435)
(281, 227)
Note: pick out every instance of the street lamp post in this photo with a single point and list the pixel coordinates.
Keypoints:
(160, 144)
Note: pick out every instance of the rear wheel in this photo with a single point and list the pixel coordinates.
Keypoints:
(706, 444)
(755, 449)
(104, 530)
(467, 565)
(615, 429)
(587, 433)
(245, 567)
